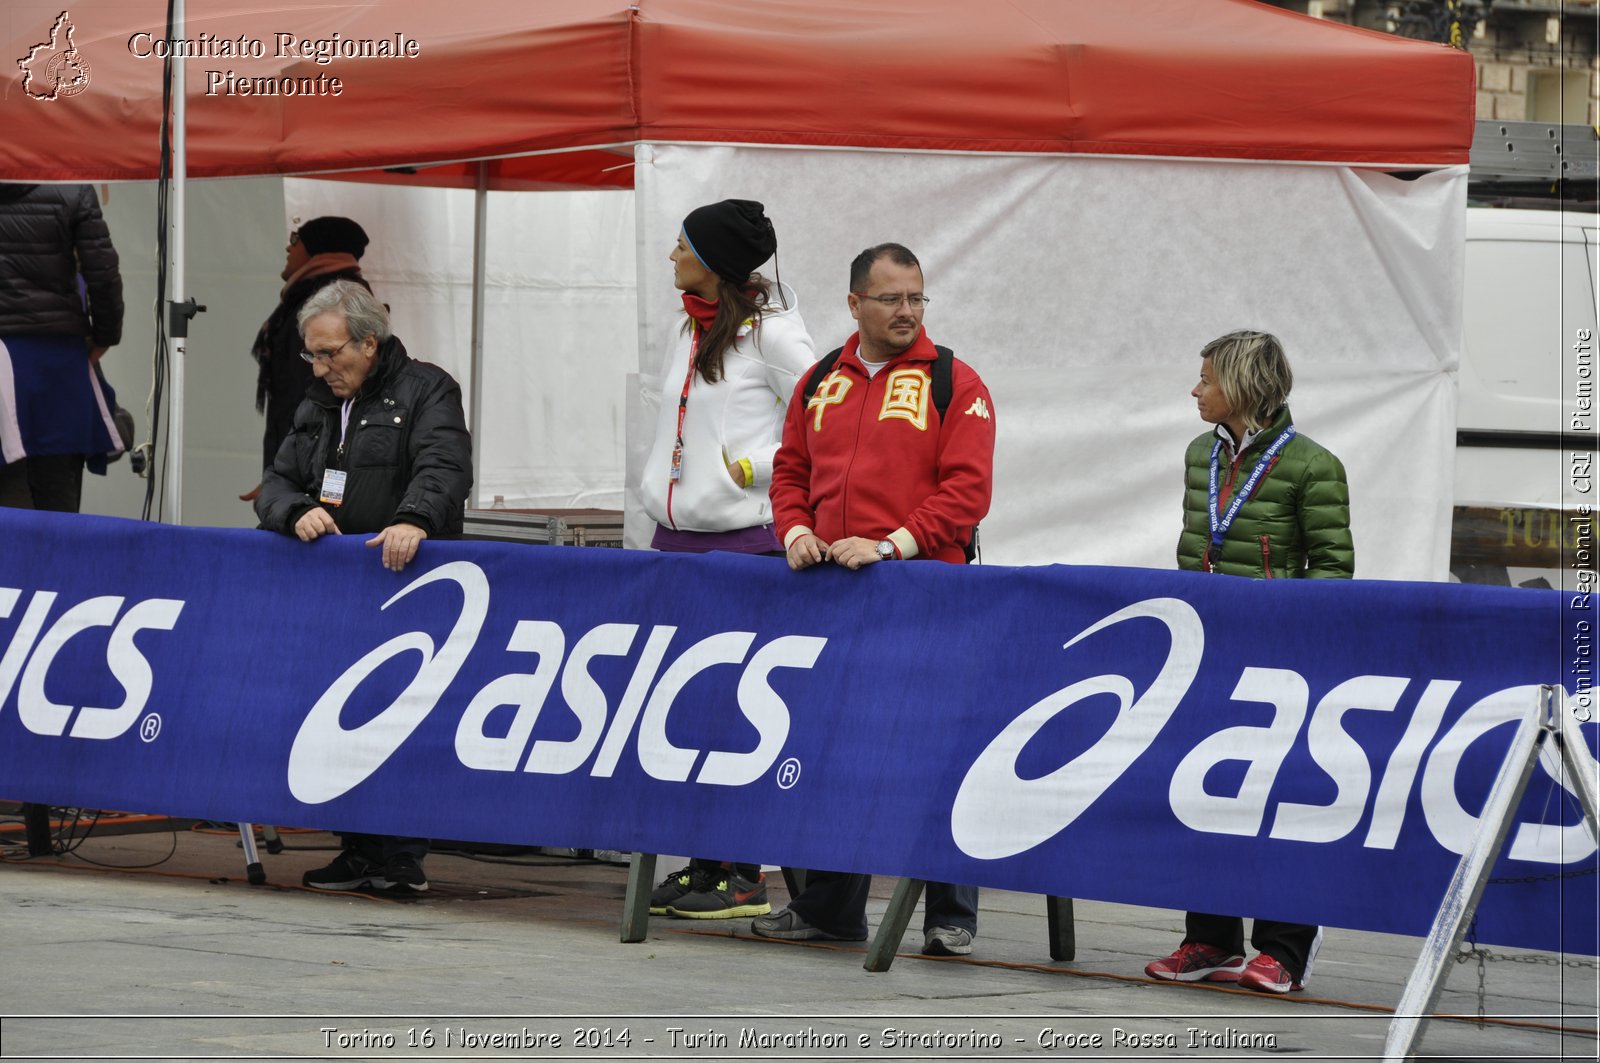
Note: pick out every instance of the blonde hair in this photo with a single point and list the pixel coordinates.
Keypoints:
(1253, 373)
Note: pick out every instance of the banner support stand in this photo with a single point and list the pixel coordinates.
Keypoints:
(1546, 718)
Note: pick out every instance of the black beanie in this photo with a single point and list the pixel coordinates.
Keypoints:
(322, 235)
(730, 238)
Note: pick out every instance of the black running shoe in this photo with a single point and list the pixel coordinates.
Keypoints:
(727, 896)
(674, 886)
(347, 872)
(402, 874)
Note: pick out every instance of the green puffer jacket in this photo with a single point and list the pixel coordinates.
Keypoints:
(1296, 524)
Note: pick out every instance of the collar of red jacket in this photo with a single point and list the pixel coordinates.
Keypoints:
(919, 351)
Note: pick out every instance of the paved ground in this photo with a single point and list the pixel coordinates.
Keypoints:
(152, 946)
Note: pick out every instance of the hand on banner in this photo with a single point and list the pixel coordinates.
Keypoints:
(854, 552)
(805, 551)
(399, 542)
(314, 524)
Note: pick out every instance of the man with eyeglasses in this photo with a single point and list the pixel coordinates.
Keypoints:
(872, 469)
(379, 447)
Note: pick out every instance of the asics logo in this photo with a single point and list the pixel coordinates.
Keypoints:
(1034, 810)
(997, 814)
(496, 728)
(35, 645)
(327, 760)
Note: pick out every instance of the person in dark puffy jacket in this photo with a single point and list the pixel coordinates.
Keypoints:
(1265, 502)
(379, 447)
(56, 416)
(319, 252)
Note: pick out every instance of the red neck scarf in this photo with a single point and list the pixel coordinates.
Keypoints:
(703, 311)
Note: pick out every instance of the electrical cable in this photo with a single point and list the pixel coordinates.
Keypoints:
(66, 839)
(158, 440)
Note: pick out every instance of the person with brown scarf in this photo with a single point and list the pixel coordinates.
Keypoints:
(320, 252)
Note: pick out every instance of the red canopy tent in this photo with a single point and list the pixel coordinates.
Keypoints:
(506, 80)
(1222, 148)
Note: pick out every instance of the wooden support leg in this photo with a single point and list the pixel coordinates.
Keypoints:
(895, 920)
(636, 903)
(1063, 936)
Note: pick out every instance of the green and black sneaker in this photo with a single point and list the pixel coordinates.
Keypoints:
(671, 888)
(729, 896)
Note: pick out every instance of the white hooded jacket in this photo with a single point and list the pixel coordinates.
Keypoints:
(740, 416)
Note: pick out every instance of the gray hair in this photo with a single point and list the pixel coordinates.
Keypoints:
(1253, 373)
(363, 315)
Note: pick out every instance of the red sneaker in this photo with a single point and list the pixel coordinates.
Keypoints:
(1197, 963)
(1267, 975)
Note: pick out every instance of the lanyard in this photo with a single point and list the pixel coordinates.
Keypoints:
(676, 473)
(344, 425)
(1219, 527)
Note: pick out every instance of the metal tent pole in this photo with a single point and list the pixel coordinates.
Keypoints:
(177, 322)
(480, 255)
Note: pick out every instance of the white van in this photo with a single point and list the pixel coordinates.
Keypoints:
(1530, 313)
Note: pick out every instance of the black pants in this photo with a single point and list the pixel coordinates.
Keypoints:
(381, 848)
(1291, 944)
(52, 482)
(749, 871)
(836, 902)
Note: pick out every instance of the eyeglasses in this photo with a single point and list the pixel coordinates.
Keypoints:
(325, 356)
(892, 302)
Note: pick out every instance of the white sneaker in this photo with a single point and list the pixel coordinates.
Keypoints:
(946, 941)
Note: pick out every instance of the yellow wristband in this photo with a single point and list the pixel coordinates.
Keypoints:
(749, 472)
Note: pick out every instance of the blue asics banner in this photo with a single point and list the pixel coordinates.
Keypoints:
(1314, 751)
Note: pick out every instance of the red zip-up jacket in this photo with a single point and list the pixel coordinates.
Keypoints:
(869, 457)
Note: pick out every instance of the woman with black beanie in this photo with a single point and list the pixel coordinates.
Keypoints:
(733, 364)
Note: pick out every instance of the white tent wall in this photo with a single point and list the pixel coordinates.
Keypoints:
(1083, 288)
(235, 248)
(559, 321)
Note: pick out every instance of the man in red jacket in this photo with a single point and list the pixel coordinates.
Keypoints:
(869, 470)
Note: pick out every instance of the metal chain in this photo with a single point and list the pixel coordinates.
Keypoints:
(1551, 877)
(1483, 992)
(1472, 948)
(1483, 955)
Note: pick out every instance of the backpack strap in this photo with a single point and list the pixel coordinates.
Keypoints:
(819, 371)
(943, 391)
(943, 379)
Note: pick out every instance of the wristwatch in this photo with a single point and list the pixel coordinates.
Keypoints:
(885, 550)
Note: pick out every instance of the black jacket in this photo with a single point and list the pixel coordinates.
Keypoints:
(283, 376)
(408, 457)
(48, 235)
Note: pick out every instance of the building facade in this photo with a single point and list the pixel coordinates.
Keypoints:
(1538, 60)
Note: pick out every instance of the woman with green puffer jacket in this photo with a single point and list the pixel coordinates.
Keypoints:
(1260, 500)
(1294, 520)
